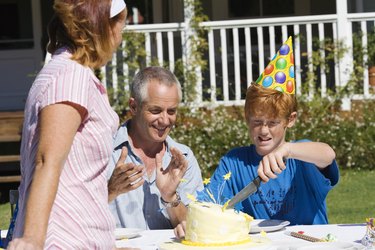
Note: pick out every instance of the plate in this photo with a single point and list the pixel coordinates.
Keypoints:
(267, 225)
(127, 233)
(260, 243)
(329, 246)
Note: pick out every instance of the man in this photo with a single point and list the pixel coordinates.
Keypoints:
(151, 173)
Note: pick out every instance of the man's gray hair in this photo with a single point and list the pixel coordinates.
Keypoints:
(138, 87)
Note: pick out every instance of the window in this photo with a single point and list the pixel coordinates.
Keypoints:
(16, 24)
(260, 8)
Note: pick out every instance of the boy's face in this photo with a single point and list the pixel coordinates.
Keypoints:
(268, 133)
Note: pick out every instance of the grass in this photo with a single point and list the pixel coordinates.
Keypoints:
(4, 215)
(351, 201)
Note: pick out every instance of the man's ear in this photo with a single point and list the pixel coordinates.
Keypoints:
(132, 105)
(292, 119)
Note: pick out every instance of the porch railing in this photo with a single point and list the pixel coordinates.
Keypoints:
(240, 49)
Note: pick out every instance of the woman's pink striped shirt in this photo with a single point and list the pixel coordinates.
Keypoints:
(80, 217)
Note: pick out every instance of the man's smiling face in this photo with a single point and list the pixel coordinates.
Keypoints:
(158, 112)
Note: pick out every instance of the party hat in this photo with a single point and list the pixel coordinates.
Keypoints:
(279, 73)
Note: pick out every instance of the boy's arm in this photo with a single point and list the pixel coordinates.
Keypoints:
(318, 153)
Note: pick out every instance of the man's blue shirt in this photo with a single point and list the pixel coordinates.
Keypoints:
(142, 208)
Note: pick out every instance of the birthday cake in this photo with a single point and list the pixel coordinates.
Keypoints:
(208, 224)
(211, 225)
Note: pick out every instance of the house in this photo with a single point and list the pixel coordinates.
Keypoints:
(23, 37)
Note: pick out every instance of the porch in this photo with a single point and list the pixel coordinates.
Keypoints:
(239, 50)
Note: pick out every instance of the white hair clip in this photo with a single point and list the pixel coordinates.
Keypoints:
(116, 7)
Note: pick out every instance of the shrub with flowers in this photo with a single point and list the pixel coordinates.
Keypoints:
(351, 134)
(211, 133)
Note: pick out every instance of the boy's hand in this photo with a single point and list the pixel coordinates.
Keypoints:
(273, 163)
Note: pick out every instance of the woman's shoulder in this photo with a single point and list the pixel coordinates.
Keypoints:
(61, 69)
(63, 64)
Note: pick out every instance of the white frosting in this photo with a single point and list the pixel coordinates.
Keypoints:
(207, 223)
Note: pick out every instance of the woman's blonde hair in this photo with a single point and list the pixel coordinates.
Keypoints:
(262, 101)
(85, 28)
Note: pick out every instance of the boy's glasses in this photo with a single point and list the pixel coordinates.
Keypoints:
(260, 123)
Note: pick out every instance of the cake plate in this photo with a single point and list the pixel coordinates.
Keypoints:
(256, 241)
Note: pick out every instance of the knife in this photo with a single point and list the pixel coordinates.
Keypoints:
(251, 188)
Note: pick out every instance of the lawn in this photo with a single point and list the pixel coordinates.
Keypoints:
(4, 215)
(351, 201)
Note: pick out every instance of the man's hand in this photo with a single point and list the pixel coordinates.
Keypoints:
(126, 177)
(179, 230)
(168, 180)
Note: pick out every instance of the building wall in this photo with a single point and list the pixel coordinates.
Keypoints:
(20, 51)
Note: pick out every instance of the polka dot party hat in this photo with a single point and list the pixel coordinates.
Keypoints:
(279, 73)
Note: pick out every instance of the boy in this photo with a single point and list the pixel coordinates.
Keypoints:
(294, 190)
(297, 176)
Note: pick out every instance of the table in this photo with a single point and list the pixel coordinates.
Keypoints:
(345, 233)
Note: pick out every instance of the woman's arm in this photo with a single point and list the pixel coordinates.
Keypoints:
(58, 126)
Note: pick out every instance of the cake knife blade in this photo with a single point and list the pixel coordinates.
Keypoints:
(251, 188)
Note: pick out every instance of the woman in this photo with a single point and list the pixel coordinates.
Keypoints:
(67, 133)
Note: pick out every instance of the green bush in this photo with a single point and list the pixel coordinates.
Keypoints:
(351, 134)
(213, 132)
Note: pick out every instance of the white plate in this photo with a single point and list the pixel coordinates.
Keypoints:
(267, 225)
(127, 233)
(329, 246)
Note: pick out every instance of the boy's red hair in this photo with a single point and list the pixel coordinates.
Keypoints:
(274, 104)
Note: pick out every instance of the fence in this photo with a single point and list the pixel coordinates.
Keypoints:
(239, 50)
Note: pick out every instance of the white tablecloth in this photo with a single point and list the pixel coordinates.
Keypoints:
(279, 240)
(345, 233)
